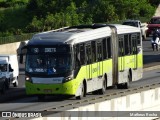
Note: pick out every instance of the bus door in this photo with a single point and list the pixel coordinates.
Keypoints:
(134, 46)
(121, 53)
(88, 61)
(99, 58)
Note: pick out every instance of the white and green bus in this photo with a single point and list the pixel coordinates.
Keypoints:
(81, 59)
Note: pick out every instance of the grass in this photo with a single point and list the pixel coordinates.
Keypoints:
(14, 18)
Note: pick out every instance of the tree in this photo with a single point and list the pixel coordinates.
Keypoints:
(72, 11)
(154, 2)
(42, 15)
(35, 7)
(85, 16)
(35, 26)
(104, 12)
(49, 22)
(146, 10)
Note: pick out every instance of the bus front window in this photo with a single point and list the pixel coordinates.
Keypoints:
(48, 64)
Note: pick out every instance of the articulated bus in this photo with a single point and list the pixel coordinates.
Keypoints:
(83, 59)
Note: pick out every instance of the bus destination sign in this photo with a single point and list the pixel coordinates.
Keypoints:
(50, 50)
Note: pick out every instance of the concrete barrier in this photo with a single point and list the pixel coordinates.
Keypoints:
(148, 99)
(118, 104)
(70, 113)
(12, 48)
(132, 103)
(103, 106)
(116, 108)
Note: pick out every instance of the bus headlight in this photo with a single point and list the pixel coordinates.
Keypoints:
(68, 78)
(27, 78)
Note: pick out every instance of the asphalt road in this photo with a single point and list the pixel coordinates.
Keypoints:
(150, 57)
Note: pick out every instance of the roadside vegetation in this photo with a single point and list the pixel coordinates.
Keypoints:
(19, 17)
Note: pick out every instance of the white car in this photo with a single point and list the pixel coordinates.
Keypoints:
(137, 23)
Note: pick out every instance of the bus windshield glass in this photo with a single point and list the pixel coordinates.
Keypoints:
(48, 64)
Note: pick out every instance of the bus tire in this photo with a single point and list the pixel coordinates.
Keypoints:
(126, 84)
(96, 92)
(104, 87)
(129, 78)
(119, 86)
(83, 92)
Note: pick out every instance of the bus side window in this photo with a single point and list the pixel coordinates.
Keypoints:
(99, 50)
(130, 44)
(88, 53)
(82, 54)
(134, 43)
(138, 39)
(105, 55)
(109, 48)
(121, 45)
(126, 42)
(120, 48)
(77, 56)
(93, 45)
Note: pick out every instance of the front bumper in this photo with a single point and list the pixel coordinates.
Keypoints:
(67, 88)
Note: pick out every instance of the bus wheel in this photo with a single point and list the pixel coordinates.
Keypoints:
(82, 92)
(119, 86)
(41, 97)
(95, 92)
(104, 86)
(126, 85)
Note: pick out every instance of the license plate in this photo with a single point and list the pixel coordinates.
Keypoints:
(48, 90)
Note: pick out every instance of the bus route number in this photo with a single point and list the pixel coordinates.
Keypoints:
(50, 49)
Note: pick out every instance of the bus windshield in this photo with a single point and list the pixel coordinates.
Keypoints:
(48, 64)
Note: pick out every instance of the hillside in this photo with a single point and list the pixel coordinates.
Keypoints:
(27, 16)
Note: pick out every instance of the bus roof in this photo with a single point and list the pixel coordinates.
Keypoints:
(78, 34)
